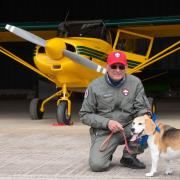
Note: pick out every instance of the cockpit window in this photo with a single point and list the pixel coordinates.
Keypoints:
(92, 29)
(132, 43)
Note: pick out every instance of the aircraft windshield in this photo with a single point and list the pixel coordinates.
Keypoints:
(92, 29)
(132, 43)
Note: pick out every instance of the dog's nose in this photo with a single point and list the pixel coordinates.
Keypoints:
(132, 129)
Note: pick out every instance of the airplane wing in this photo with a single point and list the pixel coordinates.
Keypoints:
(154, 26)
(44, 30)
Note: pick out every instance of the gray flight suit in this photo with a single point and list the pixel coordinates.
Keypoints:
(102, 103)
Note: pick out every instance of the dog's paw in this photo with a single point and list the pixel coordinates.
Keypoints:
(169, 171)
(150, 174)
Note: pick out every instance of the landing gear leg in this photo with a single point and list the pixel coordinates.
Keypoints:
(64, 107)
(37, 106)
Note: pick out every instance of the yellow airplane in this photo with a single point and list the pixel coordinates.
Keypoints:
(78, 55)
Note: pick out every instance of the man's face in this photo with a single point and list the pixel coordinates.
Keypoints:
(116, 71)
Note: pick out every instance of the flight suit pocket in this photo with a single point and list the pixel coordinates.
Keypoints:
(105, 102)
(126, 106)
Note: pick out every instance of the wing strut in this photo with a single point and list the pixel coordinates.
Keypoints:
(16, 58)
(171, 49)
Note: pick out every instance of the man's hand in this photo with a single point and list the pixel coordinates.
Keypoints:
(115, 126)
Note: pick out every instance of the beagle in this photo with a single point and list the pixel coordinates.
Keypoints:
(163, 141)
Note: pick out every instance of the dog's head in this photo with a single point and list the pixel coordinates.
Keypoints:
(143, 125)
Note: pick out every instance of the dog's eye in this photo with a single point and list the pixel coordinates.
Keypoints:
(140, 123)
(133, 123)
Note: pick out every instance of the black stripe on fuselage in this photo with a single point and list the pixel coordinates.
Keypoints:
(100, 55)
(92, 53)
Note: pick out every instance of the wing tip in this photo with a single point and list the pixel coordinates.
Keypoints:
(9, 27)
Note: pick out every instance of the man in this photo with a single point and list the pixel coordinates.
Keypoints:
(111, 102)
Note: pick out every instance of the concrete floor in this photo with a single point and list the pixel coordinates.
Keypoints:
(35, 149)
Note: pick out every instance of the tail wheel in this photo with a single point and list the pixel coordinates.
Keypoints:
(34, 109)
(62, 115)
(152, 104)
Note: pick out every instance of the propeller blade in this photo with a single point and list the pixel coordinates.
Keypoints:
(39, 41)
(26, 35)
(84, 61)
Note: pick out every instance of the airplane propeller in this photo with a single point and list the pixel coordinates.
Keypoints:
(26, 35)
(52, 51)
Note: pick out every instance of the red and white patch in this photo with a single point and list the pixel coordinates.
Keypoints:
(125, 92)
(117, 55)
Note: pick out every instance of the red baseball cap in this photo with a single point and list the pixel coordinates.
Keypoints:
(116, 57)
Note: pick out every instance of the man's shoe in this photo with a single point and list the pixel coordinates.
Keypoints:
(132, 163)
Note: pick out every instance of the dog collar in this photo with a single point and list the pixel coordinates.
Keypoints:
(143, 139)
(154, 120)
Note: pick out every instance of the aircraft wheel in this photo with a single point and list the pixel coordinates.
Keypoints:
(62, 116)
(34, 109)
(152, 104)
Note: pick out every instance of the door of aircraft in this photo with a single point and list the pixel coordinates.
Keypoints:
(136, 46)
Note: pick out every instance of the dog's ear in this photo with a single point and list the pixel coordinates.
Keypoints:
(150, 126)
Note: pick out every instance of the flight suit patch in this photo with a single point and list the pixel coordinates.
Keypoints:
(125, 92)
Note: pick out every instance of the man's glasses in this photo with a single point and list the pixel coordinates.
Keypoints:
(121, 67)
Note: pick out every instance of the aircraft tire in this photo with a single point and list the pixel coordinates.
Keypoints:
(34, 109)
(152, 104)
(61, 115)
